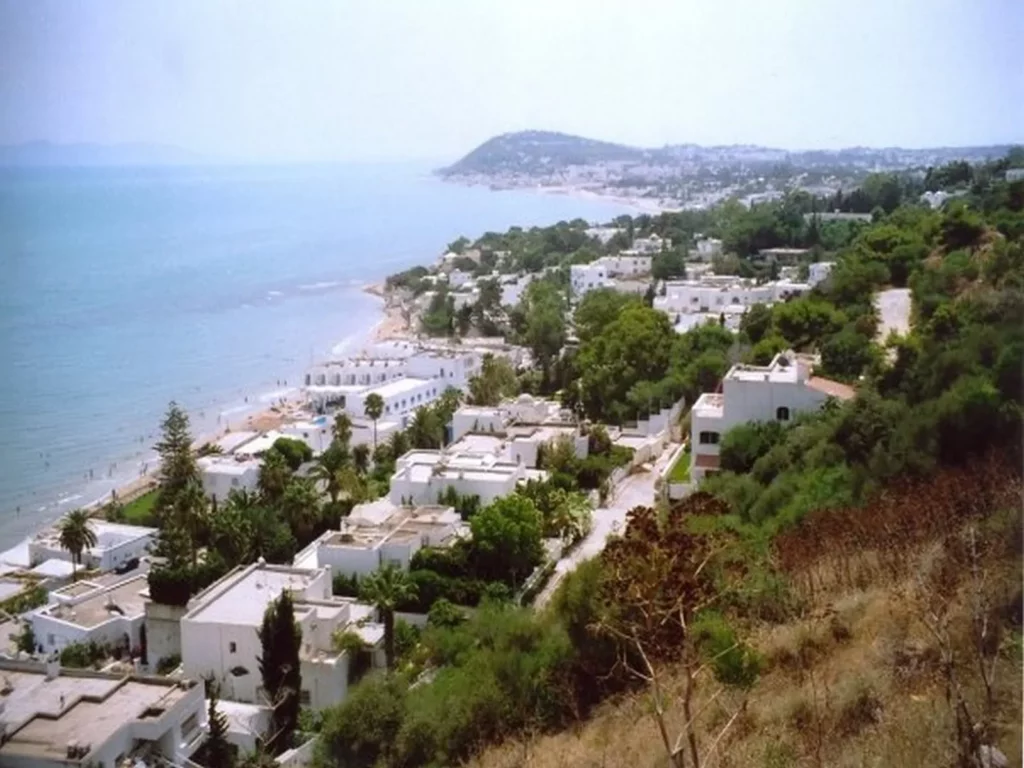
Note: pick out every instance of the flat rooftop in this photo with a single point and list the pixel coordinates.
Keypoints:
(242, 596)
(108, 535)
(127, 598)
(228, 465)
(710, 405)
(43, 716)
(399, 387)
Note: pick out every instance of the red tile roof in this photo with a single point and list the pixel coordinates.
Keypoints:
(831, 388)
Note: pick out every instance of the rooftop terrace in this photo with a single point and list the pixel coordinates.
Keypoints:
(243, 595)
(43, 716)
(92, 606)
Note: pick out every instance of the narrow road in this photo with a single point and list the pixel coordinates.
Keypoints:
(634, 491)
(893, 308)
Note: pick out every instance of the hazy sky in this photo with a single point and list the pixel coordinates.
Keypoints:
(377, 79)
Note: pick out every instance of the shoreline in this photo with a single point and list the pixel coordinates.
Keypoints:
(261, 411)
(637, 204)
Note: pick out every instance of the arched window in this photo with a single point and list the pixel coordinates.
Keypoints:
(782, 413)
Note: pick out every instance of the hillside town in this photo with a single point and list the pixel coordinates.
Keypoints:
(540, 393)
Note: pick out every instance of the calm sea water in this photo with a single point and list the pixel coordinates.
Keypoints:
(122, 289)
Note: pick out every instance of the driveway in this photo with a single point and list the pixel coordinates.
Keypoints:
(634, 491)
(893, 308)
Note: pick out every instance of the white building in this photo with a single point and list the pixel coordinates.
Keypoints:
(819, 271)
(219, 634)
(421, 476)
(222, 474)
(1015, 174)
(364, 544)
(116, 544)
(652, 244)
(85, 612)
(718, 293)
(513, 288)
(627, 264)
(707, 249)
(602, 234)
(778, 391)
(782, 255)
(54, 718)
(401, 397)
(588, 277)
(457, 278)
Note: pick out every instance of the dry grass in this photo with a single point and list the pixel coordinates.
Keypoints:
(857, 682)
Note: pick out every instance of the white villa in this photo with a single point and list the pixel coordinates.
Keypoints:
(421, 476)
(588, 277)
(222, 474)
(378, 533)
(778, 391)
(54, 718)
(650, 245)
(219, 634)
(85, 612)
(116, 544)
(707, 249)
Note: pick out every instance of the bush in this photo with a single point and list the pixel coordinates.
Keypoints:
(295, 452)
(168, 664)
(734, 663)
(32, 597)
(346, 586)
(83, 655)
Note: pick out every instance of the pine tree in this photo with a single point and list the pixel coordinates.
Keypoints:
(217, 752)
(177, 463)
(280, 668)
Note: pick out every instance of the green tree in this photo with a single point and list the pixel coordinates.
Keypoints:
(599, 309)
(544, 331)
(295, 452)
(374, 409)
(275, 474)
(496, 381)
(177, 462)
(361, 458)
(328, 467)
(342, 429)
(300, 505)
(189, 515)
(75, 534)
(386, 589)
(507, 539)
(281, 669)
(425, 430)
(217, 752)
(756, 322)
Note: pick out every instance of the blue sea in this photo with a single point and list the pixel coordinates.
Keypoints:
(122, 289)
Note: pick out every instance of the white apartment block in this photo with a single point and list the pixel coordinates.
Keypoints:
(222, 474)
(365, 543)
(717, 293)
(627, 265)
(219, 634)
(116, 544)
(513, 288)
(457, 278)
(55, 718)
(85, 612)
(588, 277)
(778, 391)
(819, 271)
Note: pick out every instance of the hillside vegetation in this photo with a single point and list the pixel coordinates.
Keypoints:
(846, 592)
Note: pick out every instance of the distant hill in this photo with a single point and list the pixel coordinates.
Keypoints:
(50, 155)
(532, 151)
(536, 153)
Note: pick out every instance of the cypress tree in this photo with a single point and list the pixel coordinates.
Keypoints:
(217, 751)
(281, 670)
(177, 464)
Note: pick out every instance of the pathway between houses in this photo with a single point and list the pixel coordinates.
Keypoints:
(635, 490)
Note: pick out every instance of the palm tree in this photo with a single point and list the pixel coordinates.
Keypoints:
(76, 535)
(387, 588)
(361, 458)
(190, 515)
(301, 506)
(399, 443)
(374, 409)
(328, 468)
(343, 428)
(274, 476)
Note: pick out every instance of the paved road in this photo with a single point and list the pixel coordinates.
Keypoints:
(636, 490)
(893, 311)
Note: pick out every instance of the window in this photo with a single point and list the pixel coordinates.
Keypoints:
(232, 647)
(782, 414)
(234, 482)
(49, 639)
(708, 438)
(304, 697)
